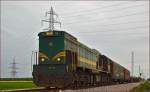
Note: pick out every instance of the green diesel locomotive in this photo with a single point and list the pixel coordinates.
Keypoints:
(64, 61)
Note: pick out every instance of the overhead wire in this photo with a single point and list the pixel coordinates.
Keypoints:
(91, 10)
(120, 16)
(114, 17)
(95, 20)
(110, 10)
(110, 18)
(120, 23)
(119, 30)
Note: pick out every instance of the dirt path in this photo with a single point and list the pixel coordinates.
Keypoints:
(113, 88)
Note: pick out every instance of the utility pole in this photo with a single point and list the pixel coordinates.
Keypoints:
(34, 59)
(0, 52)
(132, 63)
(0, 68)
(51, 20)
(0, 55)
(140, 74)
(32, 56)
(13, 68)
(0, 62)
(149, 47)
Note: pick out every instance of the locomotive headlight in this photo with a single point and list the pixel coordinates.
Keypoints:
(58, 59)
(42, 59)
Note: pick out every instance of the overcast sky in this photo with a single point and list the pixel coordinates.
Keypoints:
(115, 28)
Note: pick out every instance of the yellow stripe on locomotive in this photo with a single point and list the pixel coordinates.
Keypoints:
(87, 61)
(43, 56)
(58, 55)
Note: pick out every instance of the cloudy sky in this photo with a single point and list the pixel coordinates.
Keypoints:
(115, 28)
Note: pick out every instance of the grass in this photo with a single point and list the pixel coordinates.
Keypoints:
(142, 87)
(15, 79)
(8, 85)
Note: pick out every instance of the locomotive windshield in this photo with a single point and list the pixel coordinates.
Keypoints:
(51, 48)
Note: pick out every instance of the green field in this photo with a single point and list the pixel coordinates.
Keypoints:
(13, 84)
(15, 79)
(142, 87)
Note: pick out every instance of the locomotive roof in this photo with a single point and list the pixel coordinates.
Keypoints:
(64, 32)
(88, 48)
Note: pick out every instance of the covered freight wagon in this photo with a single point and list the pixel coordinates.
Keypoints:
(118, 72)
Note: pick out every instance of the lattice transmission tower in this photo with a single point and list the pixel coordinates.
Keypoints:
(13, 68)
(52, 20)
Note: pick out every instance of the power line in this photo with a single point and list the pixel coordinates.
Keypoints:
(97, 8)
(120, 23)
(111, 18)
(120, 30)
(93, 10)
(115, 34)
(111, 10)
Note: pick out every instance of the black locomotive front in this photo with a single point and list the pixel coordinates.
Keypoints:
(53, 69)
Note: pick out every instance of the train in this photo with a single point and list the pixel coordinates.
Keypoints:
(63, 61)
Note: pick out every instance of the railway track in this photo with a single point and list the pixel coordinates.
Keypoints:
(34, 90)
